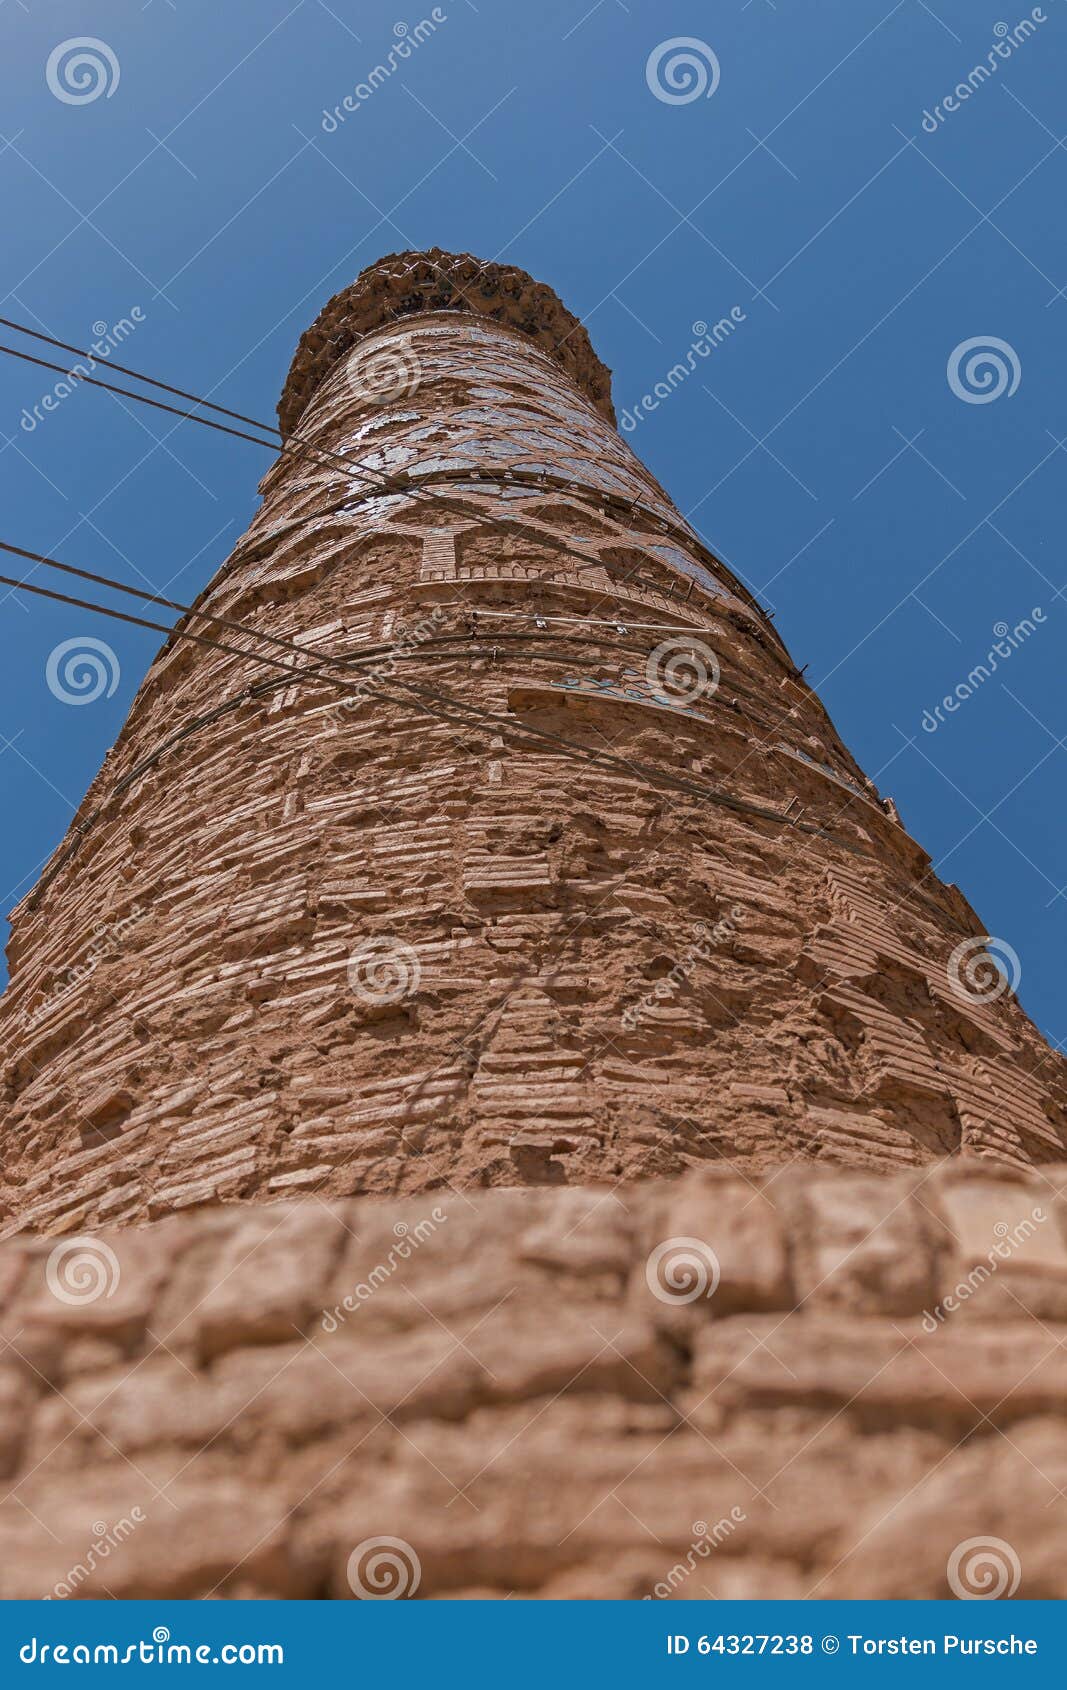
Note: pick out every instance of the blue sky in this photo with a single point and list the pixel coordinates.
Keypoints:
(822, 450)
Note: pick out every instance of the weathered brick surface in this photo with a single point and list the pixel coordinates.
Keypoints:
(312, 971)
(291, 944)
(512, 1399)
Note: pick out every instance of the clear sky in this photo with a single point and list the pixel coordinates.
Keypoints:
(893, 518)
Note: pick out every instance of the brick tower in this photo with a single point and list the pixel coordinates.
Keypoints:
(504, 845)
(493, 840)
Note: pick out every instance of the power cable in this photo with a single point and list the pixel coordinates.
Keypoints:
(430, 701)
(456, 706)
(292, 645)
(380, 483)
(123, 369)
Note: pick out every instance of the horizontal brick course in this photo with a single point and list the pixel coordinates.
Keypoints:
(516, 1339)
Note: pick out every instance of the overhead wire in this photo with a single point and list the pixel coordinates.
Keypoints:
(124, 369)
(302, 449)
(293, 646)
(284, 448)
(428, 700)
(275, 446)
(448, 707)
(289, 448)
(180, 392)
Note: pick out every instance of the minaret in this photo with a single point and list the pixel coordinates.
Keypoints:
(503, 845)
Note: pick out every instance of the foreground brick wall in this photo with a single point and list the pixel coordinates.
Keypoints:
(531, 1392)
(310, 972)
(295, 944)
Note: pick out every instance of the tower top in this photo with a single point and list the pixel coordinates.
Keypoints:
(404, 284)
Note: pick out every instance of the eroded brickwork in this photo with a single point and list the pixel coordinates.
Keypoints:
(493, 1380)
(526, 908)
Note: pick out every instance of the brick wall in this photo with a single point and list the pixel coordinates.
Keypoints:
(532, 1393)
(425, 1110)
(297, 941)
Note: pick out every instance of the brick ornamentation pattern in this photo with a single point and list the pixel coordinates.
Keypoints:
(504, 846)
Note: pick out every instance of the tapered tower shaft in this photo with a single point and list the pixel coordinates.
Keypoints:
(504, 845)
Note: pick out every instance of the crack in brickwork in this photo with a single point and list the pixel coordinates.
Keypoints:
(475, 896)
(251, 842)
